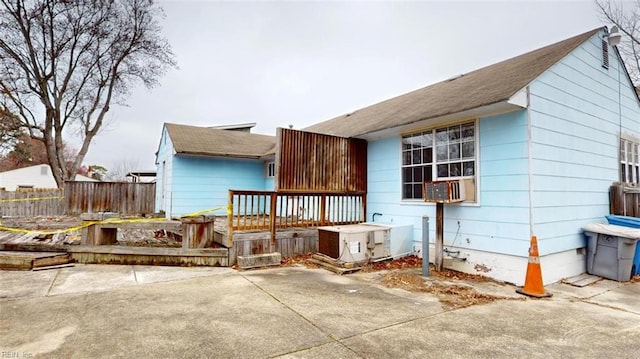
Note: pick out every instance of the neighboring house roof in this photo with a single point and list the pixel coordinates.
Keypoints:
(193, 140)
(489, 85)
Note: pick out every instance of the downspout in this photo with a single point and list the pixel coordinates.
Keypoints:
(530, 162)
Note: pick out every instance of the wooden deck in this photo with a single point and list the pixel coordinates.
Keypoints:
(289, 241)
(222, 250)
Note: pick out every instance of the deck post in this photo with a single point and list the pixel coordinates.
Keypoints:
(439, 236)
(323, 208)
(272, 219)
(230, 218)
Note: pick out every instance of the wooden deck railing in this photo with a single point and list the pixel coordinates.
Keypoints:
(255, 210)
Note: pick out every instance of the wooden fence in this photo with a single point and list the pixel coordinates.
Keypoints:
(32, 203)
(80, 197)
(120, 197)
(624, 200)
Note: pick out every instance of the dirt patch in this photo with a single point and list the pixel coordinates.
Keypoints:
(453, 289)
(451, 295)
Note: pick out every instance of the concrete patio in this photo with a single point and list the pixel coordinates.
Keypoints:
(295, 312)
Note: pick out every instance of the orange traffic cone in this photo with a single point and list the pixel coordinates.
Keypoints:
(533, 286)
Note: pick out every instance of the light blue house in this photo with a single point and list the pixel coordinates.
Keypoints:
(196, 166)
(538, 140)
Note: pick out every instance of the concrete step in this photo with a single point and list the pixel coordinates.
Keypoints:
(259, 260)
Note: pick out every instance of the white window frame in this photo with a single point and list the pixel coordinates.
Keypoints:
(629, 169)
(434, 156)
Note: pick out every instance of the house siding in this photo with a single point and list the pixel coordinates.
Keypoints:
(499, 222)
(28, 176)
(575, 124)
(201, 183)
(194, 183)
(546, 169)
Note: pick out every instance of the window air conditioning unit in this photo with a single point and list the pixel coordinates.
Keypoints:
(444, 191)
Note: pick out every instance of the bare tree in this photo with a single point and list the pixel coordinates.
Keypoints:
(63, 63)
(625, 15)
(120, 168)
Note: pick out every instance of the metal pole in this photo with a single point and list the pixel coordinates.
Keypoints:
(439, 236)
(425, 246)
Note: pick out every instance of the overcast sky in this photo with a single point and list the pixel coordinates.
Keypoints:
(299, 63)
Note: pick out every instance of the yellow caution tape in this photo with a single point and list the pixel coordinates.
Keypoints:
(108, 220)
(29, 199)
(203, 212)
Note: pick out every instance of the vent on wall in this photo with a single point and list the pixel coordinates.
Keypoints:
(605, 54)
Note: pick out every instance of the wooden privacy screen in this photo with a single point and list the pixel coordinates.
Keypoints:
(308, 161)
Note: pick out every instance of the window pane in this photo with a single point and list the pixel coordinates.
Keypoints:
(454, 133)
(637, 174)
(441, 136)
(428, 173)
(417, 190)
(407, 175)
(441, 153)
(454, 152)
(467, 149)
(417, 156)
(455, 169)
(443, 170)
(410, 142)
(468, 168)
(427, 139)
(406, 158)
(417, 174)
(624, 173)
(406, 191)
(427, 155)
(467, 131)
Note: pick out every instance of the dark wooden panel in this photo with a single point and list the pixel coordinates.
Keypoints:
(314, 162)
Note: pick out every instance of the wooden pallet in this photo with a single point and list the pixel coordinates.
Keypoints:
(334, 265)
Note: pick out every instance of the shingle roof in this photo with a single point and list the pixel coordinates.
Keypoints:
(205, 141)
(489, 85)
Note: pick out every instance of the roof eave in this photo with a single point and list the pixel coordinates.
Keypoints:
(220, 155)
(512, 104)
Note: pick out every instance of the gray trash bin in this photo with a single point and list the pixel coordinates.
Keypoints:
(610, 250)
